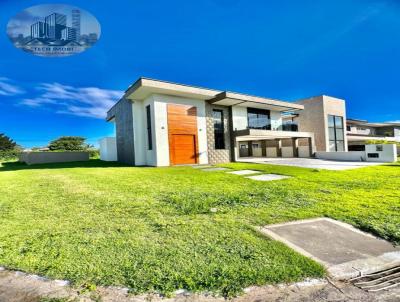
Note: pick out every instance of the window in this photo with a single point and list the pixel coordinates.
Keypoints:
(336, 133)
(379, 148)
(219, 141)
(149, 139)
(258, 119)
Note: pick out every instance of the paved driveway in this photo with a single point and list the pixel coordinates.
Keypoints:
(311, 163)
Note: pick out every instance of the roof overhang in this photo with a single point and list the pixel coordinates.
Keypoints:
(235, 99)
(143, 88)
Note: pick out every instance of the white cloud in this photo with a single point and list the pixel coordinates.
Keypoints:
(396, 121)
(80, 101)
(9, 89)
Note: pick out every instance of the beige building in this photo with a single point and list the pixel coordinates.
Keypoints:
(325, 116)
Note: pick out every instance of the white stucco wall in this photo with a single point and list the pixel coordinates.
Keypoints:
(161, 127)
(341, 156)
(108, 149)
(388, 153)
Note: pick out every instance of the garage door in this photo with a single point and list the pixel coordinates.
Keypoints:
(183, 149)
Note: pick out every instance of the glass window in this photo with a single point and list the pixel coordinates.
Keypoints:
(338, 122)
(339, 145)
(336, 133)
(332, 146)
(339, 134)
(331, 133)
(149, 139)
(219, 141)
(331, 121)
(258, 119)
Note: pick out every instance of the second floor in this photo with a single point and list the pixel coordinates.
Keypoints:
(363, 128)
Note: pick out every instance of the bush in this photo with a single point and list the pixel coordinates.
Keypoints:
(94, 153)
(7, 155)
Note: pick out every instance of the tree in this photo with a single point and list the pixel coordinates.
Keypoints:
(68, 143)
(6, 143)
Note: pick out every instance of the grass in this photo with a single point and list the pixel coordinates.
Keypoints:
(163, 229)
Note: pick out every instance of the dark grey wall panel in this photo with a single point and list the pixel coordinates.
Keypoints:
(124, 131)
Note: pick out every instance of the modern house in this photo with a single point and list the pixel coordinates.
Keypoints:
(359, 132)
(160, 123)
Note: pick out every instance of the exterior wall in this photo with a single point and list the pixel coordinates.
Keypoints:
(108, 149)
(342, 156)
(221, 155)
(160, 129)
(32, 158)
(314, 118)
(124, 131)
(386, 153)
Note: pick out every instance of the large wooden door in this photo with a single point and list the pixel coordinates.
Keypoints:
(182, 134)
(183, 149)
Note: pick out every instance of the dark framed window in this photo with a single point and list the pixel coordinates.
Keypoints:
(258, 119)
(218, 117)
(148, 117)
(336, 133)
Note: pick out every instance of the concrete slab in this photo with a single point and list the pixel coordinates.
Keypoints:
(268, 177)
(244, 172)
(214, 169)
(344, 250)
(312, 163)
(201, 166)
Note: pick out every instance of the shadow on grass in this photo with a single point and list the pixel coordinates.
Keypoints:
(94, 163)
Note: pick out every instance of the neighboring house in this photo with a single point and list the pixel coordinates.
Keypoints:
(161, 124)
(361, 131)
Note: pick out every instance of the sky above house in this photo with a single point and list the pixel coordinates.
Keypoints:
(286, 50)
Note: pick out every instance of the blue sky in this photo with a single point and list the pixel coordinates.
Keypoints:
(279, 49)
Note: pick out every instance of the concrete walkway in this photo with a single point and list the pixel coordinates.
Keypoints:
(345, 251)
(312, 163)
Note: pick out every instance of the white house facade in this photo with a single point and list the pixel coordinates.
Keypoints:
(160, 123)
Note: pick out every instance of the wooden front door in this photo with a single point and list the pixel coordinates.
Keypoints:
(182, 134)
(183, 149)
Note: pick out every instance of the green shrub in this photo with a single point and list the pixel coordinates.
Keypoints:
(7, 155)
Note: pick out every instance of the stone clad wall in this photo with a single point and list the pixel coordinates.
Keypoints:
(217, 156)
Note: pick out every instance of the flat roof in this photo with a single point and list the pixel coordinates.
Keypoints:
(144, 87)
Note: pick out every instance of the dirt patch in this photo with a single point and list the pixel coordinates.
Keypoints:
(21, 287)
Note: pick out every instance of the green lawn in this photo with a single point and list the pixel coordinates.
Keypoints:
(156, 229)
